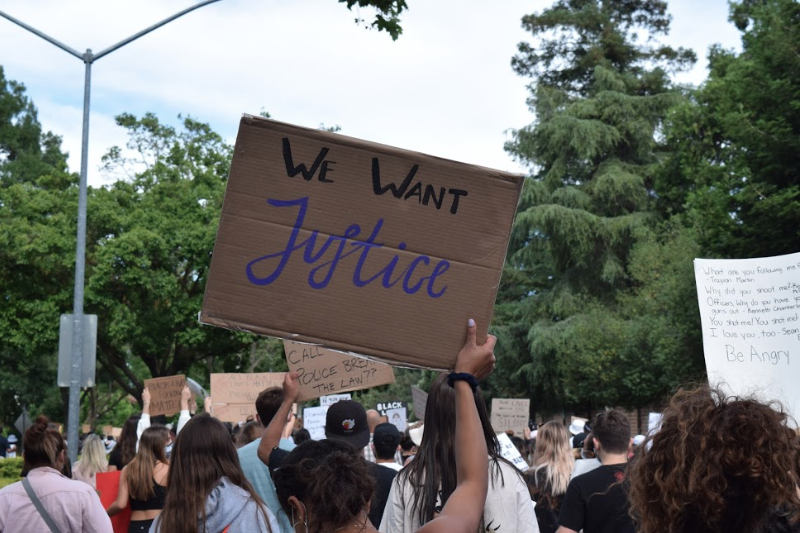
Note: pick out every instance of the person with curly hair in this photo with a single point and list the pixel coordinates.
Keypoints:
(719, 463)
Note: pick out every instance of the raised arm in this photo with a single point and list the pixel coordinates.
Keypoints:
(272, 433)
(144, 421)
(186, 397)
(464, 508)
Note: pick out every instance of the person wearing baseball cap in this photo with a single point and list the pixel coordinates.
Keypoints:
(346, 421)
(385, 443)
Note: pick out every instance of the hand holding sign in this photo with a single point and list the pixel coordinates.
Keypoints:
(475, 359)
(291, 387)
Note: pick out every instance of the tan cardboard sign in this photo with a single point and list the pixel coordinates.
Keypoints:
(86, 429)
(234, 395)
(116, 432)
(107, 430)
(357, 246)
(508, 413)
(420, 399)
(165, 394)
(324, 372)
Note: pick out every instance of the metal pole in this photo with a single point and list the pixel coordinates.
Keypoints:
(74, 411)
(76, 369)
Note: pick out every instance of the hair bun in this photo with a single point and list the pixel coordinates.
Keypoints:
(42, 420)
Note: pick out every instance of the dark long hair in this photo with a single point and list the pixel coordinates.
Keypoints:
(127, 439)
(203, 454)
(330, 478)
(435, 461)
(139, 473)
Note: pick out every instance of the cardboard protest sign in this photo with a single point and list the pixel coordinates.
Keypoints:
(165, 394)
(314, 421)
(86, 429)
(398, 417)
(107, 430)
(325, 372)
(420, 399)
(327, 401)
(357, 246)
(384, 407)
(510, 452)
(510, 413)
(116, 432)
(234, 395)
(750, 313)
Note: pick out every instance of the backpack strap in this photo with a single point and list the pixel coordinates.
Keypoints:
(39, 507)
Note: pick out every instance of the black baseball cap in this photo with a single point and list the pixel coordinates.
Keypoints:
(346, 421)
(386, 436)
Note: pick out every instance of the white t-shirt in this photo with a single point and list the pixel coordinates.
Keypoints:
(392, 465)
(508, 506)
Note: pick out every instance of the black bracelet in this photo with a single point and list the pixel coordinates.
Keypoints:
(462, 376)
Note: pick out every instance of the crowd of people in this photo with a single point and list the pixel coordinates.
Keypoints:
(718, 464)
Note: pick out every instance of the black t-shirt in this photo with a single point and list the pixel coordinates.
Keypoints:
(382, 475)
(3, 446)
(596, 502)
(547, 503)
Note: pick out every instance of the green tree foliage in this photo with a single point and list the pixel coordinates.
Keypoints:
(586, 245)
(38, 206)
(736, 164)
(387, 17)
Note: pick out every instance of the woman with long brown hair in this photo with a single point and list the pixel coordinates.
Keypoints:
(72, 506)
(717, 464)
(548, 478)
(207, 491)
(125, 449)
(143, 482)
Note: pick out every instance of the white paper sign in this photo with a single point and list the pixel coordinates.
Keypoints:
(750, 312)
(398, 417)
(327, 401)
(314, 421)
(510, 452)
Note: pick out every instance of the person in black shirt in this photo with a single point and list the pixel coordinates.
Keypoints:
(596, 502)
(3, 443)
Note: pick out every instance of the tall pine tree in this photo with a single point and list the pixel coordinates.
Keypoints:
(587, 241)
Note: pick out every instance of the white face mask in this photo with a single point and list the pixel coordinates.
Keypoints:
(168, 450)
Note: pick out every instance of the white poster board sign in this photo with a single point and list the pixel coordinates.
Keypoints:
(327, 401)
(750, 312)
(398, 417)
(314, 421)
(510, 452)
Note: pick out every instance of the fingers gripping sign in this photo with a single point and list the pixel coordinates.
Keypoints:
(476, 359)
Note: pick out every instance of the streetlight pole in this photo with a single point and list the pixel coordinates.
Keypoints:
(80, 250)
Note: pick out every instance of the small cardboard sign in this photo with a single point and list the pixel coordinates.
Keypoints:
(510, 413)
(327, 401)
(750, 315)
(510, 452)
(384, 407)
(234, 396)
(325, 372)
(107, 430)
(116, 432)
(398, 417)
(314, 421)
(420, 399)
(165, 394)
(340, 242)
(86, 429)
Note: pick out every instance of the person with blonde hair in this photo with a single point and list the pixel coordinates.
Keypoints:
(548, 477)
(143, 482)
(93, 460)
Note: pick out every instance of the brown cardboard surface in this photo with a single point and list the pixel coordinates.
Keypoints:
(325, 372)
(420, 399)
(86, 429)
(234, 396)
(116, 432)
(107, 430)
(450, 223)
(165, 394)
(510, 413)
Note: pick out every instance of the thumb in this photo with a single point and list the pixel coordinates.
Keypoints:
(472, 332)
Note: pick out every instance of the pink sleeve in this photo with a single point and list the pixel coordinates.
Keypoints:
(95, 518)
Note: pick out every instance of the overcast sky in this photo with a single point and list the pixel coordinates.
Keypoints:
(445, 87)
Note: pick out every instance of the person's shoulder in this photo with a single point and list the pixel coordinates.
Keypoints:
(382, 472)
(14, 488)
(250, 449)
